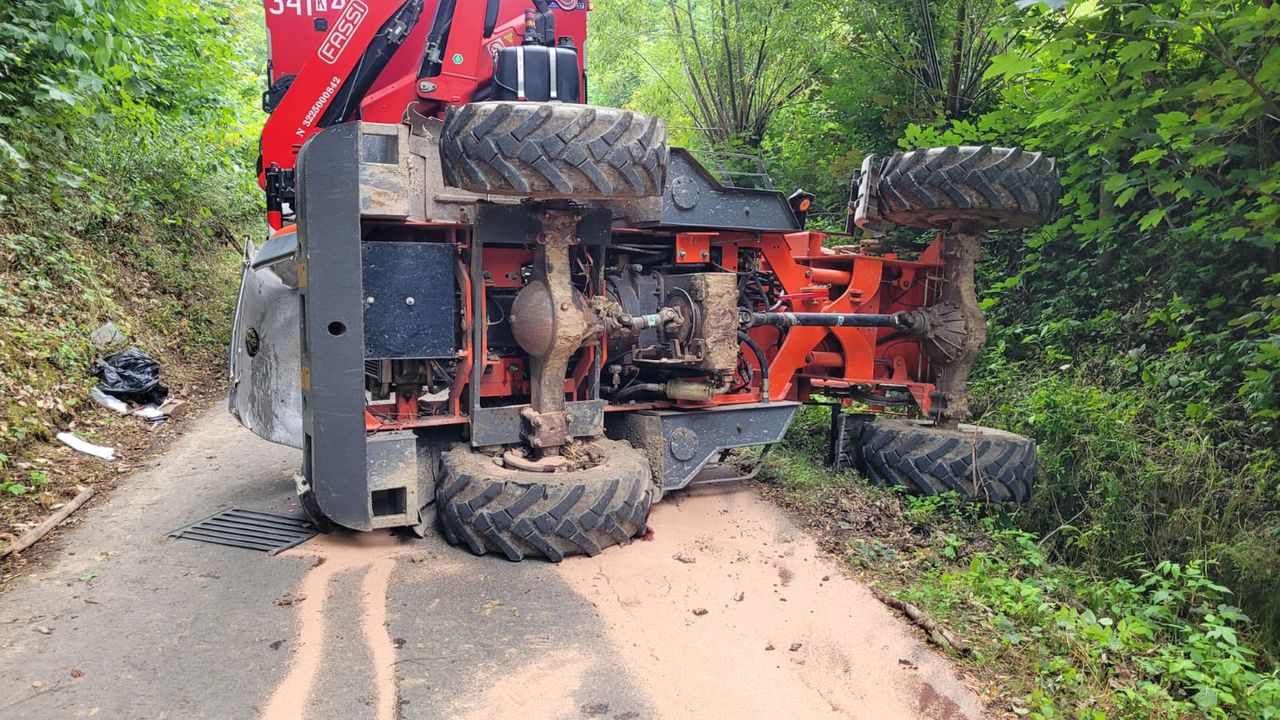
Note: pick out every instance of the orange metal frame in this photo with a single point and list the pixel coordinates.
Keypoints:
(802, 360)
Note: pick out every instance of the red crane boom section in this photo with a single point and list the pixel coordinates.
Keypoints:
(317, 46)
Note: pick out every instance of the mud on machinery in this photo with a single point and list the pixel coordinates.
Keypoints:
(486, 302)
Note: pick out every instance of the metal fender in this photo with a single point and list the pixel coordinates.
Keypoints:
(265, 355)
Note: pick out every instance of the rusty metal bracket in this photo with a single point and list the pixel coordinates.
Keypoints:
(505, 426)
(551, 320)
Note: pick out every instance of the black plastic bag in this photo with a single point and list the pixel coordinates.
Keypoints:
(131, 376)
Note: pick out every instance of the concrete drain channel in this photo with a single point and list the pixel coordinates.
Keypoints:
(250, 529)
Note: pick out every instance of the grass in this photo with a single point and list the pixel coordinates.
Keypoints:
(144, 237)
(1051, 640)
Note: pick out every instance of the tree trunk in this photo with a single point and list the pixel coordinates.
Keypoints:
(955, 108)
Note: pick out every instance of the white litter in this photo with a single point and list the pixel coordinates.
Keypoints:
(113, 404)
(151, 412)
(87, 448)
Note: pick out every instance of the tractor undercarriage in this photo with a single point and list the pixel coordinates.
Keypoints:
(532, 319)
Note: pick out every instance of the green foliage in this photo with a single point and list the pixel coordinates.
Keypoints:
(1126, 474)
(1151, 640)
(721, 69)
(1163, 119)
(1137, 337)
(127, 137)
(1167, 644)
(809, 135)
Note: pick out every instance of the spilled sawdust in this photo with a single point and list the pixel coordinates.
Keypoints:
(544, 688)
(784, 632)
(375, 554)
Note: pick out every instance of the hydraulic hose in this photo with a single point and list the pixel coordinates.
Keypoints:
(630, 391)
(390, 37)
(764, 364)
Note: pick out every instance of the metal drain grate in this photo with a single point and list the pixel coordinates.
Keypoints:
(250, 529)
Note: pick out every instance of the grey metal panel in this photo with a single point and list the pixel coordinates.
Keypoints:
(329, 240)
(384, 171)
(503, 425)
(693, 198)
(410, 300)
(596, 227)
(265, 393)
(504, 225)
(680, 442)
(406, 462)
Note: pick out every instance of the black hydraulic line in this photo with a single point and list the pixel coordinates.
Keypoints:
(390, 37)
(764, 364)
(627, 392)
(437, 38)
(491, 17)
(899, 320)
(755, 470)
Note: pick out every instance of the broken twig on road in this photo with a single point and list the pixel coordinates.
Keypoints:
(937, 633)
(32, 536)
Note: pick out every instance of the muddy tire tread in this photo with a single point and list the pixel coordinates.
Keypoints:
(521, 515)
(553, 150)
(981, 187)
(930, 461)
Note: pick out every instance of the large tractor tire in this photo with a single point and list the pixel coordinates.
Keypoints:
(977, 187)
(518, 513)
(980, 463)
(548, 151)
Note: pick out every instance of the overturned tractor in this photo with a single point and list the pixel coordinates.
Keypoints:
(487, 304)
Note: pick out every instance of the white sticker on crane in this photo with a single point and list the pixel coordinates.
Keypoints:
(343, 30)
(303, 8)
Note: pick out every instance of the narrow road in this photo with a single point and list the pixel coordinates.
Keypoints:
(728, 611)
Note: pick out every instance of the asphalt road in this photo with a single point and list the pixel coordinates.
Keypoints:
(727, 612)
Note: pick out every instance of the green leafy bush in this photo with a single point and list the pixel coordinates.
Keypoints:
(1167, 644)
(127, 138)
(1138, 336)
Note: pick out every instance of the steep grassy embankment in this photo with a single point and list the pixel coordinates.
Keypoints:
(126, 188)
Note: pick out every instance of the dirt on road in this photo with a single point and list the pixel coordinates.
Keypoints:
(727, 610)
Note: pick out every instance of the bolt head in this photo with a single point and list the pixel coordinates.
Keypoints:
(408, 301)
(368, 300)
(426, 86)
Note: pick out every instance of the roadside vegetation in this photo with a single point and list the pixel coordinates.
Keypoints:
(1045, 639)
(1137, 338)
(126, 152)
